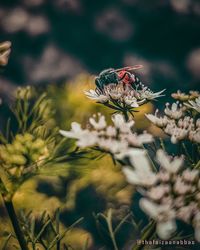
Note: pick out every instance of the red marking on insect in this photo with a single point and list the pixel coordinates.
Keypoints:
(125, 76)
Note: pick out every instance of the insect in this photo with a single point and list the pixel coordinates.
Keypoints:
(116, 76)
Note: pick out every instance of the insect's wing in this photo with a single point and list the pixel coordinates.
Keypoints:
(129, 68)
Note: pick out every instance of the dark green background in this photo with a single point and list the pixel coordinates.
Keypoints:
(101, 34)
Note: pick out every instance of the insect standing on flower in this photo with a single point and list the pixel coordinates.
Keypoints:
(116, 76)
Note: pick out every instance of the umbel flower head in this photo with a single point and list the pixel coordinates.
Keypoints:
(121, 90)
(176, 124)
(116, 139)
(183, 97)
(193, 104)
(170, 193)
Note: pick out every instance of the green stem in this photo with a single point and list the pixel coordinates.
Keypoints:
(186, 152)
(125, 113)
(110, 229)
(15, 223)
(146, 236)
(162, 144)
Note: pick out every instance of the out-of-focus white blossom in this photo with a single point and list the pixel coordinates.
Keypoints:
(137, 177)
(5, 49)
(181, 187)
(120, 123)
(170, 165)
(194, 104)
(176, 133)
(85, 138)
(190, 175)
(156, 193)
(194, 135)
(117, 139)
(98, 124)
(175, 124)
(185, 97)
(142, 173)
(164, 215)
(169, 194)
(196, 222)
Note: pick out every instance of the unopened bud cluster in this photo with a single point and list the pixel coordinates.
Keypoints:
(24, 151)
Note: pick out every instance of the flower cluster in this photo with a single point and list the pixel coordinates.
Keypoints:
(115, 139)
(183, 97)
(194, 104)
(176, 124)
(169, 194)
(24, 151)
(4, 52)
(123, 96)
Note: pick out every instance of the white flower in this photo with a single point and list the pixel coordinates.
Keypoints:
(181, 187)
(190, 175)
(138, 140)
(131, 101)
(180, 96)
(179, 201)
(147, 94)
(196, 223)
(120, 123)
(176, 111)
(194, 135)
(88, 139)
(158, 121)
(120, 96)
(99, 97)
(142, 173)
(111, 131)
(131, 152)
(84, 138)
(115, 91)
(198, 123)
(194, 104)
(138, 177)
(76, 131)
(176, 133)
(5, 49)
(100, 123)
(156, 193)
(163, 176)
(164, 215)
(171, 165)
(112, 145)
(186, 123)
(184, 213)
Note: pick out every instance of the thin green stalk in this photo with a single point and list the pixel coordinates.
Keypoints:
(58, 227)
(7, 200)
(110, 229)
(186, 152)
(162, 144)
(125, 113)
(146, 236)
(15, 223)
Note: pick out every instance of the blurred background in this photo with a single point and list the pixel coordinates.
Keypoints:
(56, 40)
(58, 45)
